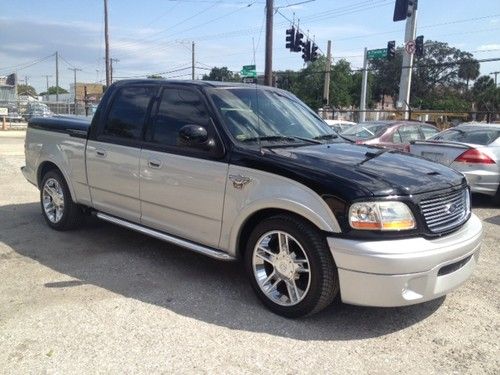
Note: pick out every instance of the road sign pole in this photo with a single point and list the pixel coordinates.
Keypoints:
(364, 83)
(406, 69)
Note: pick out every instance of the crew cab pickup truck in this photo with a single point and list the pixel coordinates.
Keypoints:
(238, 171)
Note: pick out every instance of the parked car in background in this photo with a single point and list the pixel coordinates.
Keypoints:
(340, 125)
(13, 115)
(37, 110)
(390, 134)
(470, 148)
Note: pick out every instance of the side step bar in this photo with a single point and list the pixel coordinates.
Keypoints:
(213, 253)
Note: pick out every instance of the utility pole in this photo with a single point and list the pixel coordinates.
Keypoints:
(26, 80)
(268, 72)
(57, 81)
(406, 69)
(74, 84)
(495, 74)
(106, 45)
(111, 69)
(192, 61)
(364, 84)
(326, 88)
(47, 80)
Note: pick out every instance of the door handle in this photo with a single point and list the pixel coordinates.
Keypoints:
(100, 152)
(154, 163)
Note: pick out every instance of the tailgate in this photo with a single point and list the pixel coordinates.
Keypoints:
(441, 152)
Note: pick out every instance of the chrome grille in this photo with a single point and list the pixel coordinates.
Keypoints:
(446, 211)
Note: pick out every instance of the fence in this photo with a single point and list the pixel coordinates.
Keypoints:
(442, 119)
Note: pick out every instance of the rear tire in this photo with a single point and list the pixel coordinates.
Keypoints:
(58, 208)
(290, 266)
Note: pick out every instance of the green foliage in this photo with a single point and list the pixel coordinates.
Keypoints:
(486, 95)
(52, 91)
(221, 74)
(26, 90)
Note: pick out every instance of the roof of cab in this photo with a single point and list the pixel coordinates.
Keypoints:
(199, 83)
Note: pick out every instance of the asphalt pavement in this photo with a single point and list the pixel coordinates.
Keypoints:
(103, 299)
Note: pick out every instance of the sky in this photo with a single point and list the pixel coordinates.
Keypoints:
(155, 36)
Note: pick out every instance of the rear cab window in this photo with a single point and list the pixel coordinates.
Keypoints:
(128, 113)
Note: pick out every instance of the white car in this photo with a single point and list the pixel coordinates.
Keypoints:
(339, 125)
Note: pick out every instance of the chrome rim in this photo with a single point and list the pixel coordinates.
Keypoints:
(281, 268)
(53, 200)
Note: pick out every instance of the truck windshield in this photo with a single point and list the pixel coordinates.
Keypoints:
(256, 115)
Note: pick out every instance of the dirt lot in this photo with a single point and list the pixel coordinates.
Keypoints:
(106, 300)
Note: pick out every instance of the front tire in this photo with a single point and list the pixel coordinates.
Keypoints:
(290, 266)
(59, 210)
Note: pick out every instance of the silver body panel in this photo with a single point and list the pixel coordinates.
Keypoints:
(113, 178)
(405, 271)
(182, 195)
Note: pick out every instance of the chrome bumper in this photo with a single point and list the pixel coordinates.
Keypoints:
(407, 271)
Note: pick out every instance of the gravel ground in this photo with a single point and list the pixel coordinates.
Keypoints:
(103, 299)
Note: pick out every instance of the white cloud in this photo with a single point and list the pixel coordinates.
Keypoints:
(487, 47)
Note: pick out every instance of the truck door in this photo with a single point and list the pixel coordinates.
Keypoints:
(113, 156)
(182, 187)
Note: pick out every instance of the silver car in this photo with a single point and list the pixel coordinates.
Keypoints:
(470, 148)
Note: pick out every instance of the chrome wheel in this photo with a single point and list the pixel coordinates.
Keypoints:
(53, 200)
(281, 268)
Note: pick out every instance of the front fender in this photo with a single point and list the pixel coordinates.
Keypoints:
(269, 191)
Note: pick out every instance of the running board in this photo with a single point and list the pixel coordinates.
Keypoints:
(213, 253)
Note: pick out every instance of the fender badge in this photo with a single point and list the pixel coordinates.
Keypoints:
(239, 181)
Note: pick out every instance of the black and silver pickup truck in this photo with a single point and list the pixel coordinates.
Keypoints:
(246, 172)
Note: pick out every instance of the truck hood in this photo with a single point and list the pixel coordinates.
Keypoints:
(377, 171)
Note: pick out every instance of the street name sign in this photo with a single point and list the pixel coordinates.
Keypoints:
(375, 54)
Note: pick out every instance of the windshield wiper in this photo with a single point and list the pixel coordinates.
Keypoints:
(278, 138)
(326, 136)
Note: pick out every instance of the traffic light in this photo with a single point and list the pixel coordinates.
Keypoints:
(306, 51)
(290, 39)
(298, 41)
(314, 52)
(391, 49)
(400, 10)
(419, 46)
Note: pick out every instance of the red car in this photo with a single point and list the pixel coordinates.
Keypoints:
(390, 134)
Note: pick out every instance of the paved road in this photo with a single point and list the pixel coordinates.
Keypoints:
(104, 299)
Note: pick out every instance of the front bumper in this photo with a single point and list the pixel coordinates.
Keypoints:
(405, 271)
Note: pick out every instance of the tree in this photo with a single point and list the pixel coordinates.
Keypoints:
(26, 90)
(52, 91)
(486, 94)
(309, 82)
(221, 74)
(155, 76)
(469, 71)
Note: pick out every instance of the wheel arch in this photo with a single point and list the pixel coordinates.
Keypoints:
(47, 165)
(244, 229)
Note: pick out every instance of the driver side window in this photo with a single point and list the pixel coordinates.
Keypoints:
(176, 108)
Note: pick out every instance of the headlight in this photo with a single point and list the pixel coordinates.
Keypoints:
(381, 216)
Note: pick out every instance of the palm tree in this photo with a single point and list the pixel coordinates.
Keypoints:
(468, 70)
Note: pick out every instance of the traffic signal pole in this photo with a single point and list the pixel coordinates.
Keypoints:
(268, 72)
(406, 69)
(364, 84)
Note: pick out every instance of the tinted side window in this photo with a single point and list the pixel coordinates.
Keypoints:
(178, 107)
(128, 112)
(409, 133)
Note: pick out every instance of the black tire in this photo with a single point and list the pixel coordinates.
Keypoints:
(72, 214)
(496, 198)
(324, 283)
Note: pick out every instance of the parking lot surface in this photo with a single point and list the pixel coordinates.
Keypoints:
(103, 299)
